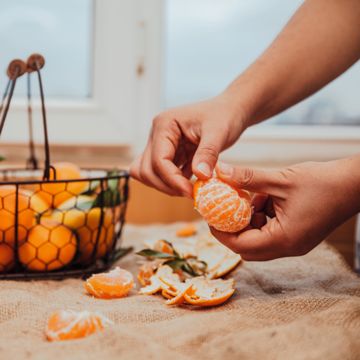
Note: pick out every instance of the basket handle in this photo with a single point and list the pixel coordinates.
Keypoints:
(17, 68)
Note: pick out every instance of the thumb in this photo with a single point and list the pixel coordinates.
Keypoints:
(206, 155)
(250, 179)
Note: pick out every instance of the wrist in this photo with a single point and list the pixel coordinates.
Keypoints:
(349, 171)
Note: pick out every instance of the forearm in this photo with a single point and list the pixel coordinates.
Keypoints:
(319, 43)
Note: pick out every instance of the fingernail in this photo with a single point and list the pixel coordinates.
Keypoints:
(224, 170)
(204, 168)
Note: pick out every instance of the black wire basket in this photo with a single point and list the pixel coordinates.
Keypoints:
(57, 221)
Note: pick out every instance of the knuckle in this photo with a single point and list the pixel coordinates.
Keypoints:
(209, 150)
(245, 177)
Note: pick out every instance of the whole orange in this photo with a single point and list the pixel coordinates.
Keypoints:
(25, 214)
(56, 193)
(49, 246)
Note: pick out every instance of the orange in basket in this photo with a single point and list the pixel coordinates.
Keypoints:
(68, 324)
(7, 256)
(116, 283)
(49, 246)
(222, 206)
(25, 218)
(77, 214)
(56, 193)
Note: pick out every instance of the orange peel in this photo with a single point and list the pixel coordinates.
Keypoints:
(223, 207)
(186, 231)
(116, 283)
(69, 324)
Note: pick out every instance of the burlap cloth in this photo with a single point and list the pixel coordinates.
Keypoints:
(296, 308)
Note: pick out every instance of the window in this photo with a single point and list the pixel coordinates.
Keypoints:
(210, 42)
(90, 73)
(59, 30)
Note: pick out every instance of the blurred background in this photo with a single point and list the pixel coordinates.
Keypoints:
(112, 65)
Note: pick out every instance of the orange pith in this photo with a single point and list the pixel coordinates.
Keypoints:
(49, 246)
(68, 324)
(116, 283)
(223, 207)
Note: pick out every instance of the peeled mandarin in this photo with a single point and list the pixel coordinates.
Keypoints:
(68, 324)
(223, 207)
(116, 283)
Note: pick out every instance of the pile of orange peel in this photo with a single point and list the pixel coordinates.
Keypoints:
(177, 286)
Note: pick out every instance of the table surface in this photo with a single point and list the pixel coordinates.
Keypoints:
(298, 308)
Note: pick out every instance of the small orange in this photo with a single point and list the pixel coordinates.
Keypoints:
(25, 214)
(7, 255)
(68, 324)
(56, 193)
(222, 206)
(116, 283)
(49, 246)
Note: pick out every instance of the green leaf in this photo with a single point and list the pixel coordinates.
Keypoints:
(108, 198)
(155, 254)
(175, 264)
(2, 158)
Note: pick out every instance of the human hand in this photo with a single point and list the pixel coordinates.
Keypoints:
(302, 204)
(185, 141)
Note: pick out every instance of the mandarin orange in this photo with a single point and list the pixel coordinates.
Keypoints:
(116, 283)
(222, 206)
(58, 192)
(68, 324)
(49, 246)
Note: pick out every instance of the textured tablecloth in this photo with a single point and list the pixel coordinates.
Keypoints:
(295, 308)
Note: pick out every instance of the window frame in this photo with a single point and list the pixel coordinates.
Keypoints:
(128, 84)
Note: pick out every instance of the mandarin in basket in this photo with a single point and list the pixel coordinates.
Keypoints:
(56, 193)
(49, 246)
(116, 283)
(68, 324)
(7, 256)
(10, 203)
(222, 206)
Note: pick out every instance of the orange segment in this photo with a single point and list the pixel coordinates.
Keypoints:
(163, 246)
(222, 206)
(188, 230)
(147, 270)
(68, 324)
(49, 246)
(116, 283)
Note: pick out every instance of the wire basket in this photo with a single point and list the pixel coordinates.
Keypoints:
(57, 221)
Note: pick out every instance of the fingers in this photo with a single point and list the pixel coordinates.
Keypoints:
(250, 179)
(207, 153)
(266, 243)
(165, 142)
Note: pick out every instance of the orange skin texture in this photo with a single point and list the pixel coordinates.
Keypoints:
(26, 215)
(56, 193)
(49, 246)
(116, 283)
(68, 325)
(223, 207)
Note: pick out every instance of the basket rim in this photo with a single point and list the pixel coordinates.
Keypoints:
(120, 174)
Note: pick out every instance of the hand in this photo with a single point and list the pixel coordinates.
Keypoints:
(186, 141)
(302, 204)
